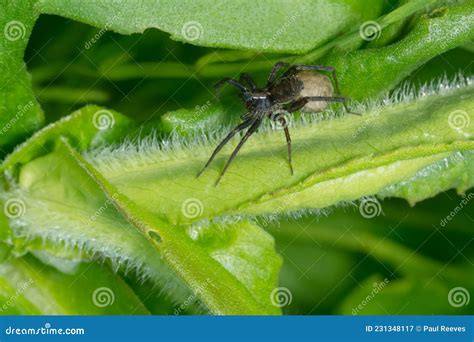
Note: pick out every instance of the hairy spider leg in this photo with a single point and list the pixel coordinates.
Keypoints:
(244, 77)
(273, 74)
(230, 81)
(284, 124)
(300, 103)
(249, 132)
(219, 147)
(300, 67)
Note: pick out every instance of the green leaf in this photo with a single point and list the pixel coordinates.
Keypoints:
(362, 74)
(315, 274)
(227, 63)
(398, 242)
(88, 127)
(336, 160)
(28, 287)
(382, 69)
(353, 233)
(138, 206)
(378, 296)
(52, 188)
(142, 184)
(241, 24)
(20, 113)
(80, 222)
(185, 122)
(441, 176)
(226, 268)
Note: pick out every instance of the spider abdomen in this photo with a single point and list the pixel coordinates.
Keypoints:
(286, 89)
(315, 84)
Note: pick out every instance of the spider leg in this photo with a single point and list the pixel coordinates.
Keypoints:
(283, 122)
(249, 132)
(300, 67)
(300, 103)
(273, 74)
(244, 77)
(219, 147)
(230, 81)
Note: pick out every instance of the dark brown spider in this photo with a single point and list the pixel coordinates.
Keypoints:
(289, 93)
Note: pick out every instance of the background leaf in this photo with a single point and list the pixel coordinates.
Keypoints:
(385, 67)
(242, 24)
(20, 113)
(29, 287)
(87, 226)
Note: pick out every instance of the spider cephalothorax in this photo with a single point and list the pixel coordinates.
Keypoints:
(298, 88)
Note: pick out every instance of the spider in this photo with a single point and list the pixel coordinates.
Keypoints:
(289, 93)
